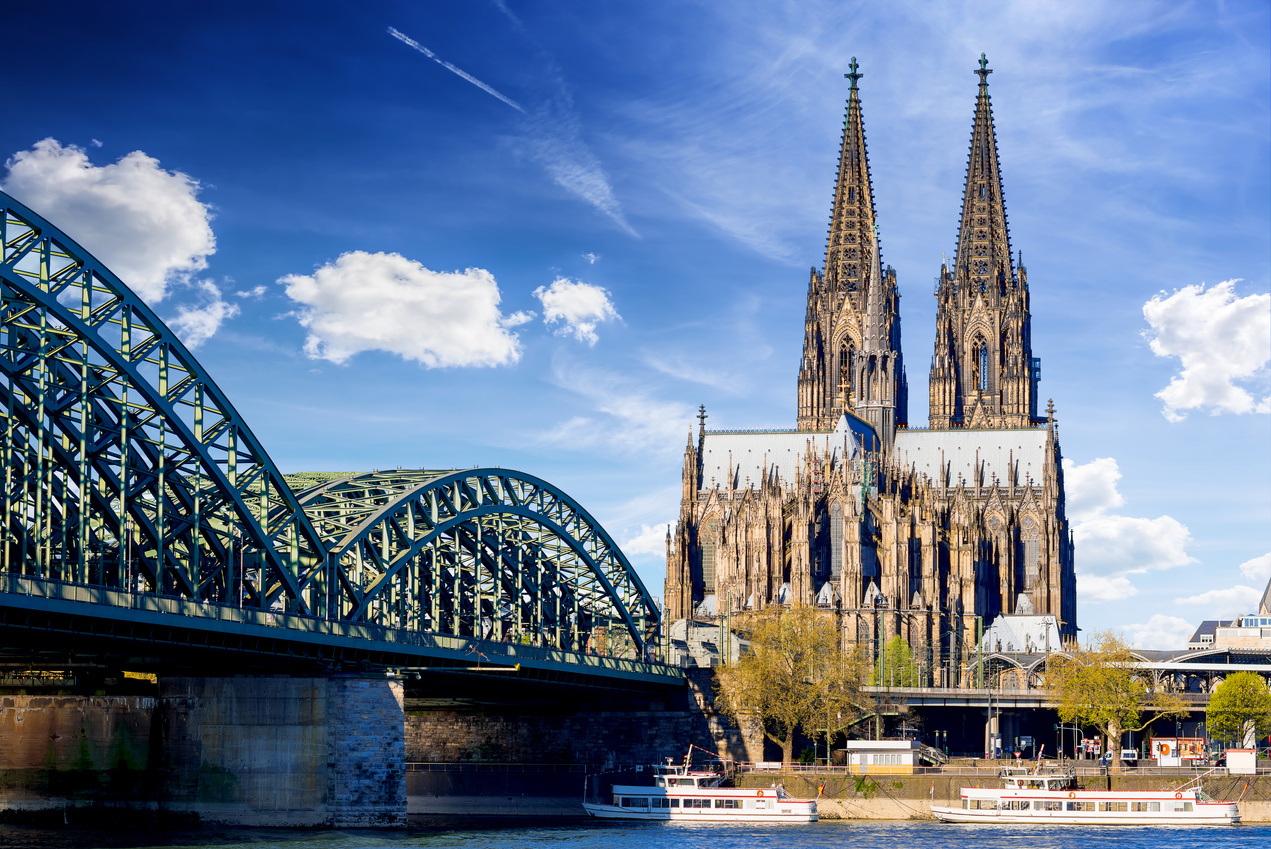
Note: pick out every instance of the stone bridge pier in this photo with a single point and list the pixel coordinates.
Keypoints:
(284, 751)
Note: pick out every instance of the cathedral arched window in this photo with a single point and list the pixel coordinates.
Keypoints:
(915, 565)
(1030, 543)
(984, 367)
(836, 540)
(847, 364)
(709, 539)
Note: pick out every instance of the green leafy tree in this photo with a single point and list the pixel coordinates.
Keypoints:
(795, 676)
(1240, 708)
(1100, 686)
(897, 667)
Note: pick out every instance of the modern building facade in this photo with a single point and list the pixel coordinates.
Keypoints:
(923, 533)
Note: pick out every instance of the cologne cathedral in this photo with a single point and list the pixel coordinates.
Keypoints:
(924, 533)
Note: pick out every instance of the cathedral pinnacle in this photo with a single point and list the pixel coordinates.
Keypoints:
(854, 75)
(984, 71)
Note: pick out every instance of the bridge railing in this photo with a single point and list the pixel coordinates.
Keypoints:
(479, 651)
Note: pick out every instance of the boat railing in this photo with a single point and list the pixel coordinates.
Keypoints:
(982, 769)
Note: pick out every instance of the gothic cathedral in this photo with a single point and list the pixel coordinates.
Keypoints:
(924, 533)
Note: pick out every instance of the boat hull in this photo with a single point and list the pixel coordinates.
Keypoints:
(798, 813)
(960, 815)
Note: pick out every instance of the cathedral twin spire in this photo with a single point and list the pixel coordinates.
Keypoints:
(851, 359)
(983, 373)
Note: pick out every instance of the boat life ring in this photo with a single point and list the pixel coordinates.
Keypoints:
(1072, 794)
(1178, 794)
(760, 793)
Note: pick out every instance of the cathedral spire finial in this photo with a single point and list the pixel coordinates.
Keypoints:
(854, 75)
(983, 71)
(701, 416)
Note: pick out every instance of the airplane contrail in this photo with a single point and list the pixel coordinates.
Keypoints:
(407, 40)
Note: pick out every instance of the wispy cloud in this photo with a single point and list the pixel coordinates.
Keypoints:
(410, 42)
(627, 416)
(554, 140)
(198, 321)
(553, 137)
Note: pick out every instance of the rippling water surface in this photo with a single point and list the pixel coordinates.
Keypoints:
(590, 834)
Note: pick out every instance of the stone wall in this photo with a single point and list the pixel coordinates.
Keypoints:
(603, 737)
(270, 751)
(68, 746)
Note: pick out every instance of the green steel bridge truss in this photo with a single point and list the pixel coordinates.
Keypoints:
(125, 468)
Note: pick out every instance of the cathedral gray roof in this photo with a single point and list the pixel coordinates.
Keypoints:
(780, 450)
(958, 450)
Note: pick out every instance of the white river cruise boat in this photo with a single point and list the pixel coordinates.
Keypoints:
(680, 794)
(1053, 797)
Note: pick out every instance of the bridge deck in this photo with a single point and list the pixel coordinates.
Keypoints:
(56, 616)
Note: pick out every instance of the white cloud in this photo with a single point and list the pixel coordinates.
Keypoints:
(1092, 488)
(1258, 569)
(590, 257)
(195, 324)
(1096, 588)
(575, 306)
(1230, 602)
(386, 302)
(145, 223)
(1225, 603)
(1111, 548)
(650, 542)
(1165, 633)
(1221, 340)
(256, 292)
(1119, 545)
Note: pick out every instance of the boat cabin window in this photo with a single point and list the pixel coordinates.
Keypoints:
(728, 803)
(683, 782)
(675, 803)
(1150, 807)
(661, 802)
(634, 801)
(1081, 806)
(697, 803)
(1048, 805)
(1187, 806)
(1118, 807)
(1015, 805)
(983, 804)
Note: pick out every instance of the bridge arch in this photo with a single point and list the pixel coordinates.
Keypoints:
(127, 467)
(488, 553)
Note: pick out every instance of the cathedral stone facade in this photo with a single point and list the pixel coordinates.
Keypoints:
(924, 533)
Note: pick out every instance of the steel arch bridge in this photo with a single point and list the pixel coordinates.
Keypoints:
(128, 474)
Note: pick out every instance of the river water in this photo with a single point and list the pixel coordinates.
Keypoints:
(590, 834)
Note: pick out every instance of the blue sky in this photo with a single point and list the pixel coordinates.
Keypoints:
(384, 263)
